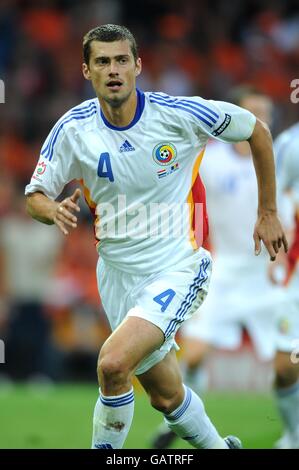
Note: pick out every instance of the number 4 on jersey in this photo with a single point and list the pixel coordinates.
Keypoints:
(168, 295)
(104, 167)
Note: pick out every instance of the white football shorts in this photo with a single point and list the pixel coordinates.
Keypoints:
(166, 299)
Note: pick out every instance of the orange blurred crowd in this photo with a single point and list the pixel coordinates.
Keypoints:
(188, 48)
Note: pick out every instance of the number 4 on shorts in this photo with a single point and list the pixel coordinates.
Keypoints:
(168, 295)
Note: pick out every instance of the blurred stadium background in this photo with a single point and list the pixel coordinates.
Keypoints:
(51, 320)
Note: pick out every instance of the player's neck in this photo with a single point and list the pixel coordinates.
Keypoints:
(120, 116)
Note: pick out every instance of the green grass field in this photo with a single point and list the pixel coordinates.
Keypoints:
(61, 416)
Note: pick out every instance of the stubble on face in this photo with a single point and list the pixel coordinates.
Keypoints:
(116, 101)
(113, 72)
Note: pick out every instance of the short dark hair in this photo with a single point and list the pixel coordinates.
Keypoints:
(238, 93)
(108, 33)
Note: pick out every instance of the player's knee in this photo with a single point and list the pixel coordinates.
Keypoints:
(112, 368)
(166, 404)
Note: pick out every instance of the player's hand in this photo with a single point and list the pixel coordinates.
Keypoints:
(64, 216)
(269, 230)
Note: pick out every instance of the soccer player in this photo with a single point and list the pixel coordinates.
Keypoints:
(287, 359)
(135, 151)
(240, 294)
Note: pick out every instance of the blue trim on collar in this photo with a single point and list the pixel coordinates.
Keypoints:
(138, 113)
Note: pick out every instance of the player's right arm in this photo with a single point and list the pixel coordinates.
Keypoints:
(56, 167)
(50, 212)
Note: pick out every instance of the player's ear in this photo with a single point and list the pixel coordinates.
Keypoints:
(85, 71)
(138, 67)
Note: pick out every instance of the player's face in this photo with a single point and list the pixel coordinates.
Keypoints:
(112, 71)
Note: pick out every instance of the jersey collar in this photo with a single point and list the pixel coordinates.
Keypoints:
(138, 113)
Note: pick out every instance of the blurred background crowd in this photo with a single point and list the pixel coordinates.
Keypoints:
(51, 319)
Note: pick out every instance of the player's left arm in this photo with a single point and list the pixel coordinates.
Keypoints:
(230, 123)
(268, 227)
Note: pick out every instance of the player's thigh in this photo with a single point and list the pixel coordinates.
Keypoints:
(132, 341)
(164, 379)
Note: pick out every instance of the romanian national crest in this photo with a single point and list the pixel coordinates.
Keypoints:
(164, 154)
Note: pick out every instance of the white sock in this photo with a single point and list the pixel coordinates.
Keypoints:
(288, 405)
(190, 422)
(112, 420)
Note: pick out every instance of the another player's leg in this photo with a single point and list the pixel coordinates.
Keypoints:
(287, 397)
(194, 376)
(128, 345)
(183, 410)
(194, 353)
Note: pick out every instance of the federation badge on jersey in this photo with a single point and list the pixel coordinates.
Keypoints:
(164, 154)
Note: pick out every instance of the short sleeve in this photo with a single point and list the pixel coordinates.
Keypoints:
(224, 121)
(57, 165)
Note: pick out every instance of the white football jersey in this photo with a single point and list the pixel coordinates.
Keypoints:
(232, 200)
(286, 147)
(138, 178)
